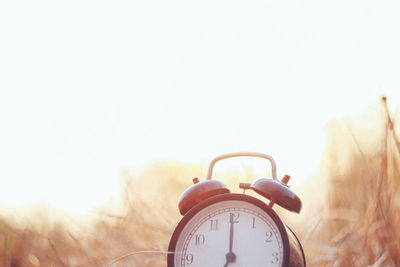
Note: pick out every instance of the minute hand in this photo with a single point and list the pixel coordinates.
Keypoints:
(231, 234)
(230, 256)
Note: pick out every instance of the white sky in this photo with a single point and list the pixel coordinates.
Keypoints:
(89, 88)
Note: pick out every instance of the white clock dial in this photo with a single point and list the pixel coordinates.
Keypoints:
(230, 233)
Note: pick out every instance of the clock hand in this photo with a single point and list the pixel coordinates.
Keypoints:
(230, 256)
(231, 234)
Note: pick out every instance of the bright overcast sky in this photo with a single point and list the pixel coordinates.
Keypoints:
(89, 88)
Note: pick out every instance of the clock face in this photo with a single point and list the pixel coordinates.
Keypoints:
(229, 230)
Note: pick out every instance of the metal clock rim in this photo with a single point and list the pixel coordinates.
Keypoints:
(226, 197)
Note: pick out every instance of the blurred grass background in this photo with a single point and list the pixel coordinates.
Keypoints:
(357, 221)
(351, 214)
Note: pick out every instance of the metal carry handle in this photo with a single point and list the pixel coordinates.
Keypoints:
(243, 154)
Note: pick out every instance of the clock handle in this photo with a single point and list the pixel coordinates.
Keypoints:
(243, 154)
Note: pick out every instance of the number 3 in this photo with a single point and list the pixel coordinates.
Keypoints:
(275, 257)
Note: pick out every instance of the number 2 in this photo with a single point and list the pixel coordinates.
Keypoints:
(269, 235)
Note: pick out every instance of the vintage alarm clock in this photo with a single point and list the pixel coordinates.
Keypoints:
(223, 229)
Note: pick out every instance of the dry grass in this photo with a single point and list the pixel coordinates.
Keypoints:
(145, 223)
(353, 221)
(357, 223)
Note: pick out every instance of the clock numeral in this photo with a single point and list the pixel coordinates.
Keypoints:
(214, 225)
(235, 217)
(275, 258)
(254, 223)
(269, 235)
(189, 259)
(200, 240)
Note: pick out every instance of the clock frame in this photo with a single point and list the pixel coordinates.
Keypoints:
(283, 230)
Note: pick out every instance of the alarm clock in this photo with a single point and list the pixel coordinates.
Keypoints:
(224, 229)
